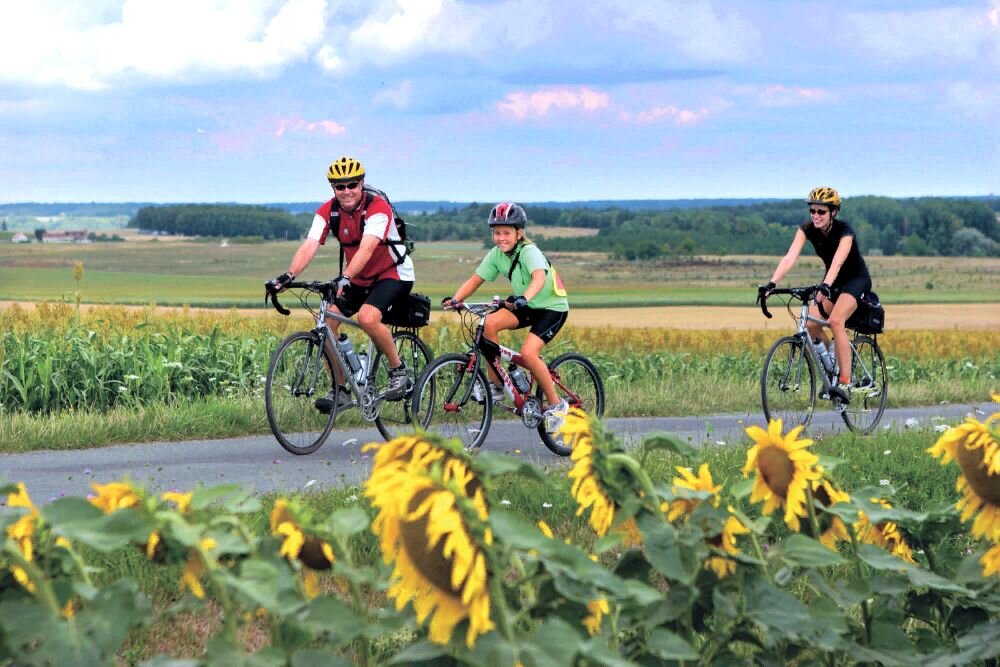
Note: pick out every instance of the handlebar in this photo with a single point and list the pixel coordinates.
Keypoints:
(327, 288)
(803, 294)
(480, 309)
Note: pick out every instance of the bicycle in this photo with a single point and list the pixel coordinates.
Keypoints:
(454, 392)
(302, 370)
(791, 366)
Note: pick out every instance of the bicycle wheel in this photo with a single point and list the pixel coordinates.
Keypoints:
(445, 399)
(395, 418)
(300, 372)
(869, 386)
(788, 383)
(579, 384)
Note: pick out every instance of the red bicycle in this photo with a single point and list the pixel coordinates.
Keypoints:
(453, 393)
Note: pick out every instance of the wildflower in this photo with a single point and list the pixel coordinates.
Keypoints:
(546, 505)
(784, 467)
(432, 527)
(975, 447)
(941, 428)
(887, 452)
(505, 502)
(912, 422)
(884, 482)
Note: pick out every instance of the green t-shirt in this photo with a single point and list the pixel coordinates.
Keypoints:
(529, 259)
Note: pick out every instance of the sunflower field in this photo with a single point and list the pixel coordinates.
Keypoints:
(432, 567)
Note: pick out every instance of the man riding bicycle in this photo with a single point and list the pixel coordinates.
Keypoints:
(376, 274)
(845, 280)
(538, 301)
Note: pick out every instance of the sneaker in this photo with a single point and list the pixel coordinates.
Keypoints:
(555, 416)
(343, 400)
(400, 383)
(841, 392)
(496, 393)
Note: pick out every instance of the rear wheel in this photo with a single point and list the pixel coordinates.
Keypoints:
(788, 383)
(579, 384)
(869, 386)
(396, 418)
(453, 401)
(299, 373)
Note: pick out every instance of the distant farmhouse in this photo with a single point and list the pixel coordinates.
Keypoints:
(70, 236)
(19, 237)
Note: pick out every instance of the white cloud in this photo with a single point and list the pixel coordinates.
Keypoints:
(522, 105)
(668, 113)
(328, 127)
(974, 100)
(397, 96)
(93, 45)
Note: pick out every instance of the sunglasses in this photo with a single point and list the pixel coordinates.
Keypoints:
(353, 185)
(818, 211)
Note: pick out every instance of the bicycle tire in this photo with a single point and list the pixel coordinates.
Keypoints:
(869, 386)
(396, 418)
(579, 383)
(290, 393)
(444, 397)
(783, 393)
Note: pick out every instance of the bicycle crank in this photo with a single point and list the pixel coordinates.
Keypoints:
(369, 403)
(531, 412)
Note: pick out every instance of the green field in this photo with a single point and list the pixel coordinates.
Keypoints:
(204, 273)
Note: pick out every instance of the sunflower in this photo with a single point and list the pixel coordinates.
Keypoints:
(432, 527)
(702, 482)
(588, 487)
(784, 468)
(313, 552)
(195, 567)
(597, 609)
(831, 527)
(991, 561)
(726, 541)
(885, 534)
(975, 446)
(182, 501)
(22, 532)
(114, 496)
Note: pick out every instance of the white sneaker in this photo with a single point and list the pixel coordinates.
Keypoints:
(496, 393)
(555, 416)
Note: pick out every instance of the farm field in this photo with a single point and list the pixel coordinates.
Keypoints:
(203, 273)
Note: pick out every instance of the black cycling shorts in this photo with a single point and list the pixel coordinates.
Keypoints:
(544, 323)
(380, 294)
(855, 287)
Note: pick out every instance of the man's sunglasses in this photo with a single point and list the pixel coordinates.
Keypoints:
(818, 211)
(353, 185)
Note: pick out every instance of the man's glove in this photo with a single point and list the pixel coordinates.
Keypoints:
(516, 302)
(341, 283)
(448, 302)
(824, 289)
(279, 283)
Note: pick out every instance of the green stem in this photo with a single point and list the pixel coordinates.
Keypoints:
(813, 521)
(43, 591)
(760, 556)
(360, 608)
(500, 604)
(866, 611)
(640, 476)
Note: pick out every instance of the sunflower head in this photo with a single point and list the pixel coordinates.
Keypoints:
(784, 468)
(299, 532)
(831, 527)
(688, 481)
(432, 524)
(885, 534)
(115, 496)
(726, 542)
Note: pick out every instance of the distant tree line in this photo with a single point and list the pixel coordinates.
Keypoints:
(920, 226)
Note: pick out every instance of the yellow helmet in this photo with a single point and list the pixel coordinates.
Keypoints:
(824, 196)
(345, 169)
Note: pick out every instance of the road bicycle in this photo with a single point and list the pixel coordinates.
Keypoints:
(453, 393)
(792, 366)
(302, 371)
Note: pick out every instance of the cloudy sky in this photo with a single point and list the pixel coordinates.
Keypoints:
(250, 100)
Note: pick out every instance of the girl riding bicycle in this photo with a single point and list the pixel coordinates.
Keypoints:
(845, 280)
(538, 301)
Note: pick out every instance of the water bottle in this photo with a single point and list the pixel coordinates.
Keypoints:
(362, 375)
(347, 351)
(823, 355)
(519, 379)
(833, 359)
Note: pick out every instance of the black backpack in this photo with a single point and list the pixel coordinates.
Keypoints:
(401, 249)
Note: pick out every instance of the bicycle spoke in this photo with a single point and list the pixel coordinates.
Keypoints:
(788, 383)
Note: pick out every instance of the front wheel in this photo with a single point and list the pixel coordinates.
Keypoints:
(869, 386)
(454, 400)
(299, 373)
(396, 418)
(579, 384)
(788, 383)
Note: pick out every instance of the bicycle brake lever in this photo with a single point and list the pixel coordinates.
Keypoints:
(276, 304)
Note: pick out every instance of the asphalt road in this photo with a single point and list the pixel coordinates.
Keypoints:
(259, 462)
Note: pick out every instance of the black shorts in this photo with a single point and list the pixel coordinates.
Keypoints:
(855, 287)
(544, 323)
(380, 294)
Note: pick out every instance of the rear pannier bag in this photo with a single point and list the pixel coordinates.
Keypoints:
(869, 318)
(412, 312)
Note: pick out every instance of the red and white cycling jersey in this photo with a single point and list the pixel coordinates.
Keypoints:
(377, 223)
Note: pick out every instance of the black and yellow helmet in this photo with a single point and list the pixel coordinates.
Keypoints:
(824, 196)
(345, 169)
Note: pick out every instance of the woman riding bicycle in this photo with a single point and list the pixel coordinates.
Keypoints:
(537, 301)
(845, 280)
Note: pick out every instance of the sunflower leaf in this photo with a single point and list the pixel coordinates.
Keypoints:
(419, 651)
(799, 550)
(669, 442)
(670, 646)
(881, 560)
(348, 522)
(492, 464)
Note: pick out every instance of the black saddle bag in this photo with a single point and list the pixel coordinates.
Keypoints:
(869, 318)
(412, 312)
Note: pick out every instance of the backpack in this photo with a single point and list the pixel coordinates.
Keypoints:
(557, 284)
(401, 249)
